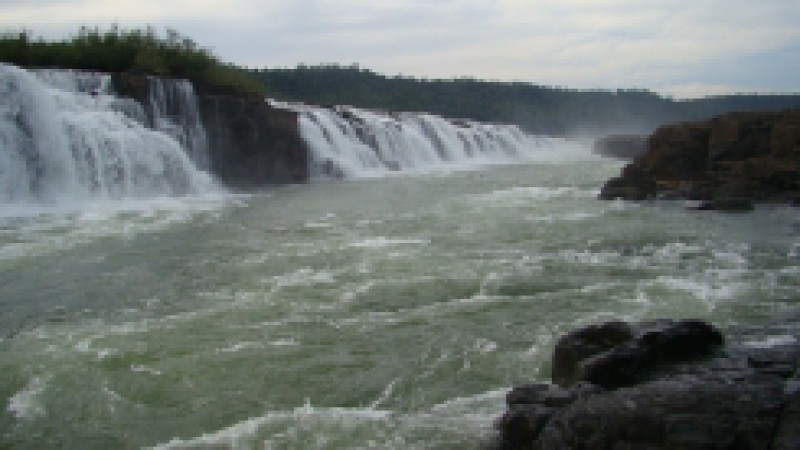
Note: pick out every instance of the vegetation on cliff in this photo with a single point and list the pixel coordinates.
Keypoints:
(135, 51)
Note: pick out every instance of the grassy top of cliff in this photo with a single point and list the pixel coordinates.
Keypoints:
(134, 51)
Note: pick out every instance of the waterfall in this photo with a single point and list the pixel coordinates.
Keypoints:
(174, 110)
(351, 142)
(65, 137)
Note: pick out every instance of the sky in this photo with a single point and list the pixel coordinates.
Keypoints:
(682, 48)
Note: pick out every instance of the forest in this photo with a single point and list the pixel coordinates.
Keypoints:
(135, 51)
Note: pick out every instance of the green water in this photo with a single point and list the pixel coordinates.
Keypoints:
(381, 313)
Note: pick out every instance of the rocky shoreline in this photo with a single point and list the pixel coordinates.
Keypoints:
(663, 384)
(736, 159)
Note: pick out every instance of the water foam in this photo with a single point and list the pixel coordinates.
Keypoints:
(27, 403)
(312, 426)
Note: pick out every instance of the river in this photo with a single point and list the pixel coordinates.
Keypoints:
(386, 312)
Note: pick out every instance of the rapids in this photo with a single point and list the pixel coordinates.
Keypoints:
(370, 313)
(391, 309)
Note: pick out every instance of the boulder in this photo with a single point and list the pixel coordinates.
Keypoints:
(617, 354)
(658, 385)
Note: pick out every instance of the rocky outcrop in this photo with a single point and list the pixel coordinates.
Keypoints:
(620, 146)
(251, 143)
(658, 385)
(731, 159)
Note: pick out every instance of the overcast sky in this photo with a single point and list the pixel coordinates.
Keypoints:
(676, 47)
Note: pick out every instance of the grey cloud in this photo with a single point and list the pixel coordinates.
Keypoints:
(611, 43)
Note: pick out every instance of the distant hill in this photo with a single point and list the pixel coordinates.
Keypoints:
(535, 108)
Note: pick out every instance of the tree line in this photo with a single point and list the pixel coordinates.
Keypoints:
(135, 51)
(535, 108)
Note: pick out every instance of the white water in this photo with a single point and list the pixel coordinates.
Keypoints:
(365, 314)
(174, 109)
(348, 142)
(66, 139)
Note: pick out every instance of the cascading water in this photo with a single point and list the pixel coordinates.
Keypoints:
(351, 142)
(66, 138)
(174, 110)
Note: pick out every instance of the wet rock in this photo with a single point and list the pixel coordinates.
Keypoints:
(576, 347)
(658, 385)
(252, 144)
(616, 354)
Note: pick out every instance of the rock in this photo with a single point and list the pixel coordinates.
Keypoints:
(633, 184)
(615, 354)
(731, 160)
(578, 346)
(658, 385)
(620, 146)
(252, 144)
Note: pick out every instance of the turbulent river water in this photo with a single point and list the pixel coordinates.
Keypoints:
(386, 312)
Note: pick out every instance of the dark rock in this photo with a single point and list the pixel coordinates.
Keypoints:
(788, 435)
(526, 394)
(624, 146)
(252, 144)
(580, 345)
(688, 411)
(674, 391)
(615, 354)
(520, 426)
(731, 160)
(633, 184)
